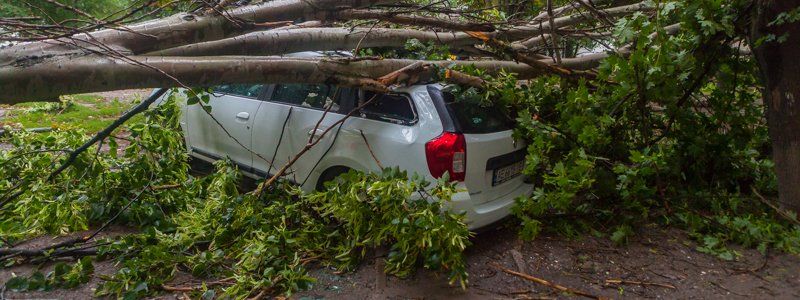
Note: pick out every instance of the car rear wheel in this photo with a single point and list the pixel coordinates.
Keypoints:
(329, 175)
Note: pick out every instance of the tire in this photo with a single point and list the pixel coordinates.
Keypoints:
(200, 167)
(329, 175)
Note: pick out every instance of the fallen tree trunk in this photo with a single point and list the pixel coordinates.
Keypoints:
(98, 73)
(274, 42)
(404, 19)
(182, 29)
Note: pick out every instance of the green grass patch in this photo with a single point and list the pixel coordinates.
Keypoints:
(89, 112)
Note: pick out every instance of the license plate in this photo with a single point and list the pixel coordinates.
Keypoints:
(507, 173)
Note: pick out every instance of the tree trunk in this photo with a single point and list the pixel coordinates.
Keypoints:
(97, 73)
(780, 70)
(281, 41)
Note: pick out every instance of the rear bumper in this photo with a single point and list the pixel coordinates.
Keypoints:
(480, 215)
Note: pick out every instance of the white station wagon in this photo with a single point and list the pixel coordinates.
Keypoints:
(417, 128)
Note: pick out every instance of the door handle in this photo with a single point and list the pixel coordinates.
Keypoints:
(317, 132)
(243, 115)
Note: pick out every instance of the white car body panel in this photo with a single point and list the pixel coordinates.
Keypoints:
(266, 133)
(236, 115)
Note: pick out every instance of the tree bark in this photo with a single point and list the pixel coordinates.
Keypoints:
(405, 19)
(99, 73)
(280, 41)
(780, 70)
(183, 29)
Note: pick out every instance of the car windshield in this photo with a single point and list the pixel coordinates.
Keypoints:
(473, 118)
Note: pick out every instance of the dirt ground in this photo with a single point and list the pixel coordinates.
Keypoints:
(662, 261)
(656, 256)
(125, 95)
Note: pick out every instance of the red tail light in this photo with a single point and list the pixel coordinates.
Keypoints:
(447, 153)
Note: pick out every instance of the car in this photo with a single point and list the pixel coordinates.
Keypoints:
(418, 128)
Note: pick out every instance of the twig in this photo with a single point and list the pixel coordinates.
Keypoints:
(280, 139)
(728, 290)
(358, 46)
(547, 283)
(370, 149)
(11, 253)
(778, 210)
(260, 295)
(642, 283)
(226, 281)
(165, 187)
(264, 185)
(553, 33)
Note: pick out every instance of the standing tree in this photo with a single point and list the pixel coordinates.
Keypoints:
(776, 42)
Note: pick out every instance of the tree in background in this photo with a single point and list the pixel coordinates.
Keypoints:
(49, 12)
(776, 41)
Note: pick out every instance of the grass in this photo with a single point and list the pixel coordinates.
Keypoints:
(90, 112)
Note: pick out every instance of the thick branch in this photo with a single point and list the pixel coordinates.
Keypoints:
(560, 11)
(406, 19)
(274, 42)
(185, 28)
(522, 32)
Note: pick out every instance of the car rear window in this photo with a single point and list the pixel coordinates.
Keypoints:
(315, 96)
(393, 108)
(473, 118)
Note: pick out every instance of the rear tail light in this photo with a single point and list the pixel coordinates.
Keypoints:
(447, 153)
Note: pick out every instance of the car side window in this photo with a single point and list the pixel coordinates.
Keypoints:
(317, 96)
(244, 90)
(393, 108)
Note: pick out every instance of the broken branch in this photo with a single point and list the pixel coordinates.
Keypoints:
(547, 283)
(642, 283)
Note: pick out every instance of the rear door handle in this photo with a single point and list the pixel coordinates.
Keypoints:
(317, 132)
(243, 115)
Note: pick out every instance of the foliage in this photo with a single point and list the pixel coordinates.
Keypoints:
(206, 226)
(87, 112)
(62, 276)
(52, 13)
(99, 184)
(375, 208)
(672, 133)
(427, 51)
(265, 244)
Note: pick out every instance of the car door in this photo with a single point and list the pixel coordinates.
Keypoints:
(388, 129)
(226, 130)
(309, 103)
(270, 145)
